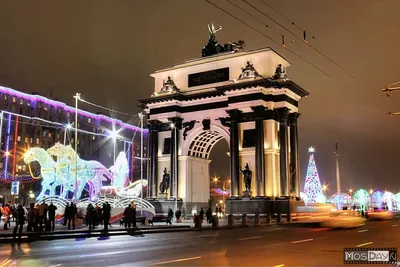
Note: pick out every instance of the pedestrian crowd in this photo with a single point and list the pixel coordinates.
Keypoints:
(42, 217)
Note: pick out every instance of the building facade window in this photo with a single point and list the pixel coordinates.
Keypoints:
(19, 138)
(26, 140)
(37, 141)
(21, 101)
(14, 99)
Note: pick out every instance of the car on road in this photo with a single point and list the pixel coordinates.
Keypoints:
(344, 219)
(379, 214)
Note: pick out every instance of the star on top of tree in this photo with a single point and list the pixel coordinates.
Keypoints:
(311, 150)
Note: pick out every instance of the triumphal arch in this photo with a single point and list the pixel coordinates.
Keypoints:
(243, 96)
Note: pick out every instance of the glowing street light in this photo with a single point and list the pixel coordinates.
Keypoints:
(371, 191)
(172, 125)
(31, 194)
(215, 179)
(311, 150)
(7, 153)
(350, 190)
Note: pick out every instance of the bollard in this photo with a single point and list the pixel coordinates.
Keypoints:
(214, 221)
(244, 219)
(197, 221)
(257, 219)
(268, 219)
(230, 220)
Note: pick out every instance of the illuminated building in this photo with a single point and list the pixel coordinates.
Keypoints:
(31, 120)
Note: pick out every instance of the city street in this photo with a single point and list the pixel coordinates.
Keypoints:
(254, 246)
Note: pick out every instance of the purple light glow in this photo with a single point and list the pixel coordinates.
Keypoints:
(7, 144)
(64, 106)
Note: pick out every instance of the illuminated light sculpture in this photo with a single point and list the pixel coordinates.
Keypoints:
(219, 191)
(361, 197)
(133, 190)
(398, 200)
(340, 200)
(304, 197)
(88, 172)
(377, 199)
(389, 198)
(312, 187)
(120, 171)
(47, 169)
(321, 198)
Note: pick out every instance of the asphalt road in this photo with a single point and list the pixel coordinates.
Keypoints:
(254, 246)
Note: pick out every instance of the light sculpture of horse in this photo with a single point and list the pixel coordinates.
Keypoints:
(120, 170)
(84, 172)
(47, 169)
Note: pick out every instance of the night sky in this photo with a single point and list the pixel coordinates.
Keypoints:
(107, 49)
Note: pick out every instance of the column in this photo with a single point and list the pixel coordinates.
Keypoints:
(259, 150)
(176, 125)
(234, 151)
(153, 148)
(294, 154)
(283, 151)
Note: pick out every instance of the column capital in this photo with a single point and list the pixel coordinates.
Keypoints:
(293, 118)
(283, 114)
(177, 122)
(234, 114)
(154, 125)
(259, 112)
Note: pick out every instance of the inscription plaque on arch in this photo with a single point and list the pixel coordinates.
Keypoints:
(208, 77)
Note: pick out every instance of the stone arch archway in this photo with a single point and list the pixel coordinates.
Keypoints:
(199, 142)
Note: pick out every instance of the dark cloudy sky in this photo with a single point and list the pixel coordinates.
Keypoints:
(107, 49)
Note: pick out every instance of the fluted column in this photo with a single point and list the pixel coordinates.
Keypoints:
(234, 116)
(154, 127)
(294, 154)
(176, 125)
(283, 151)
(259, 150)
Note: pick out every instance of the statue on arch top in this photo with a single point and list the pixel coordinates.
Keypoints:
(279, 72)
(169, 86)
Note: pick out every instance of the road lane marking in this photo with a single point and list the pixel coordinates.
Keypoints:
(362, 231)
(395, 225)
(364, 244)
(273, 229)
(178, 260)
(280, 265)
(319, 229)
(207, 235)
(4, 264)
(249, 238)
(302, 241)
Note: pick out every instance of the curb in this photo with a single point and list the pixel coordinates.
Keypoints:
(132, 232)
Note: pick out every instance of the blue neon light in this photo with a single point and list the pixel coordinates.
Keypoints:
(7, 145)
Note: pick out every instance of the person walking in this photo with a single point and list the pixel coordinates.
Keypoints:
(106, 215)
(52, 216)
(128, 215)
(98, 215)
(178, 214)
(170, 216)
(90, 216)
(134, 215)
(7, 214)
(71, 216)
(19, 221)
(201, 214)
(208, 215)
(31, 218)
(43, 208)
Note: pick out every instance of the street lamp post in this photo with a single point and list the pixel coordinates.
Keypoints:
(141, 116)
(77, 97)
(68, 127)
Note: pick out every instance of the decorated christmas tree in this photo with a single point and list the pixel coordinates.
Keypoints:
(312, 188)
